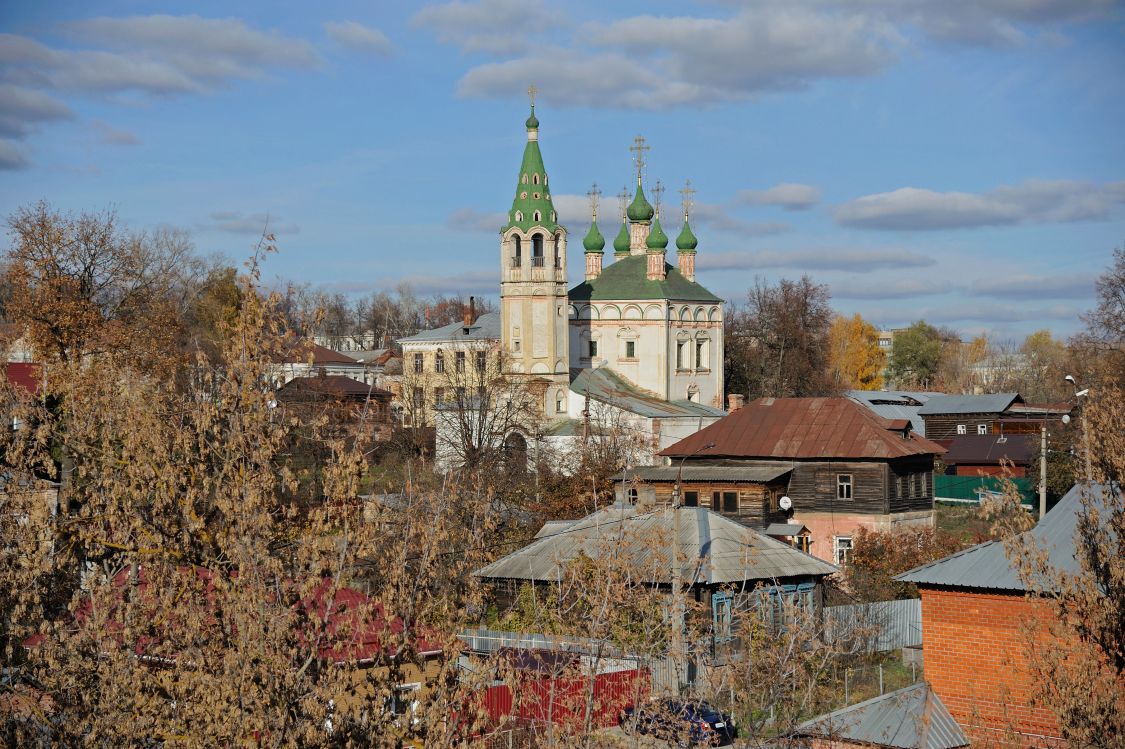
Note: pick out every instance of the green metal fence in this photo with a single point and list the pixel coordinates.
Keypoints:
(969, 489)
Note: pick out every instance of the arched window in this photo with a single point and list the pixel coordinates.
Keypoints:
(537, 217)
(517, 257)
(535, 179)
(524, 179)
(558, 250)
(537, 250)
(519, 216)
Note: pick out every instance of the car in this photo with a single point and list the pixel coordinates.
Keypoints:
(684, 723)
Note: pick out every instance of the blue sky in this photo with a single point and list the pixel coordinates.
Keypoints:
(954, 160)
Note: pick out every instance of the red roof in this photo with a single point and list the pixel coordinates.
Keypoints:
(332, 385)
(302, 351)
(26, 377)
(809, 428)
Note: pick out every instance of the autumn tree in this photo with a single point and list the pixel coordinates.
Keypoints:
(877, 556)
(178, 592)
(778, 344)
(83, 285)
(855, 360)
(1099, 351)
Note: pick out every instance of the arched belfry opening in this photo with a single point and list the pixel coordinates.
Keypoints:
(537, 250)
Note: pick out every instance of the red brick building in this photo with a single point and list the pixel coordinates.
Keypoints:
(975, 617)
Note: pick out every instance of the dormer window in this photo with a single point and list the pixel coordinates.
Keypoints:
(519, 217)
(535, 179)
(537, 217)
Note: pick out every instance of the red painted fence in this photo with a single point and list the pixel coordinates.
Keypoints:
(562, 702)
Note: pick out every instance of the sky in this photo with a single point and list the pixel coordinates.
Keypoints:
(958, 161)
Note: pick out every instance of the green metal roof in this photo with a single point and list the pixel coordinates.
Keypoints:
(621, 241)
(686, 242)
(532, 192)
(657, 239)
(640, 209)
(626, 278)
(594, 241)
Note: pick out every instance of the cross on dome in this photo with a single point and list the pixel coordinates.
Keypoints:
(638, 148)
(687, 191)
(594, 194)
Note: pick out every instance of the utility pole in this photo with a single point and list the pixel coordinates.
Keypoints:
(677, 602)
(1078, 395)
(1043, 472)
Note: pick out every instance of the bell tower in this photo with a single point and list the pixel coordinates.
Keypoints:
(533, 284)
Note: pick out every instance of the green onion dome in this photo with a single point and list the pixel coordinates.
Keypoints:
(686, 242)
(532, 121)
(640, 209)
(621, 241)
(594, 241)
(657, 239)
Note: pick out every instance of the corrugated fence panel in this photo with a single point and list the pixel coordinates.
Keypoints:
(886, 625)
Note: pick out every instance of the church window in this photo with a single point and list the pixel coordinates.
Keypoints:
(560, 403)
(537, 248)
(593, 349)
(524, 179)
(419, 363)
(523, 195)
(554, 218)
(558, 250)
(537, 217)
(700, 355)
(680, 355)
(460, 362)
(517, 258)
(516, 346)
(630, 349)
(535, 179)
(439, 362)
(519, 216)
(693, 396)
(535, 196)
(481, 360)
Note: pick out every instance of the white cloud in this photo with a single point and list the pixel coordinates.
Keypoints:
(845, 259)
(236, 222)
(111, 135)
(358, 37)
(12, 156)
(890, 288)
(788, 195)
(474, 220)
(1024, 286)
(1033, 202)
(718, 218)
(493, 26)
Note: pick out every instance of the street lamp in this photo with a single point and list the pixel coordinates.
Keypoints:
(677, 608)
(1083, 393)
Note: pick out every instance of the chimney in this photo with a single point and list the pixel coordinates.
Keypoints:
(735, 401)
(470, 313)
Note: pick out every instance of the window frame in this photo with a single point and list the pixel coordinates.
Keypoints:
(439, 361)
(845, 487)
(419, 362)
(459, 362)
(962, 429)
(694, 499)
(630, 349)
(841, 553)
(727, 495)
(982, 428)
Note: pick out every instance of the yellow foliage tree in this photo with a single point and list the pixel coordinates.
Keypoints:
(855, 361)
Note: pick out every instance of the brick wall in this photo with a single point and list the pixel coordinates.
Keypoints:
(975, 653)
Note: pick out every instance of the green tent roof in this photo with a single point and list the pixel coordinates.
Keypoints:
(627, 278)
(532, 192)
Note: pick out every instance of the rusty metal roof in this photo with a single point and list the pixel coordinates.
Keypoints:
(803, 428)
(668, 474)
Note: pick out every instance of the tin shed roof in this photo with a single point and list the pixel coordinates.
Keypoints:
(667, 474)
(910, 718)
(808, 428)
(895, 404)
(486, 328)
(992, 403)
(714, 550)
(606, 386)
(986, 566)
(991, 448)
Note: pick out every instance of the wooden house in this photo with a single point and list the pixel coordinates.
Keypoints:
(840, 465)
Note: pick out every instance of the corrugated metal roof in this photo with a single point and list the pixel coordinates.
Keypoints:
(627, 278)
(551, 527)
(991, 403)
(606, 386)
(991, 448)
(486, 328)
(785, 529)
(714, 549)
(986, 566)
(809, 428)
(895, 404)
(755, 473)
(910, 718)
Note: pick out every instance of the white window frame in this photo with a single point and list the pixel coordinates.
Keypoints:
(962, 429)
(982, 428)
(841, 549)
(845, 487)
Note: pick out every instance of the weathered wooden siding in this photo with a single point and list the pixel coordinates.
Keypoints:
(812, 487)
(757, 503)
(944, 426)
(900, 475)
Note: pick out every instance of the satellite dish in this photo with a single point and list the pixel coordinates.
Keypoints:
(785, 503)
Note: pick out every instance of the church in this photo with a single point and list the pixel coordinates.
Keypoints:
(638, 335)
(638, 344)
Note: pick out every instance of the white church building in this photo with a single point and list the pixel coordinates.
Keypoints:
(638, 344)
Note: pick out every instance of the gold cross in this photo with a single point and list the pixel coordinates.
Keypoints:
(638, 148)
(531, 92)
(687, 192)
(623, 196)
(658, 193)
(593, 194)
